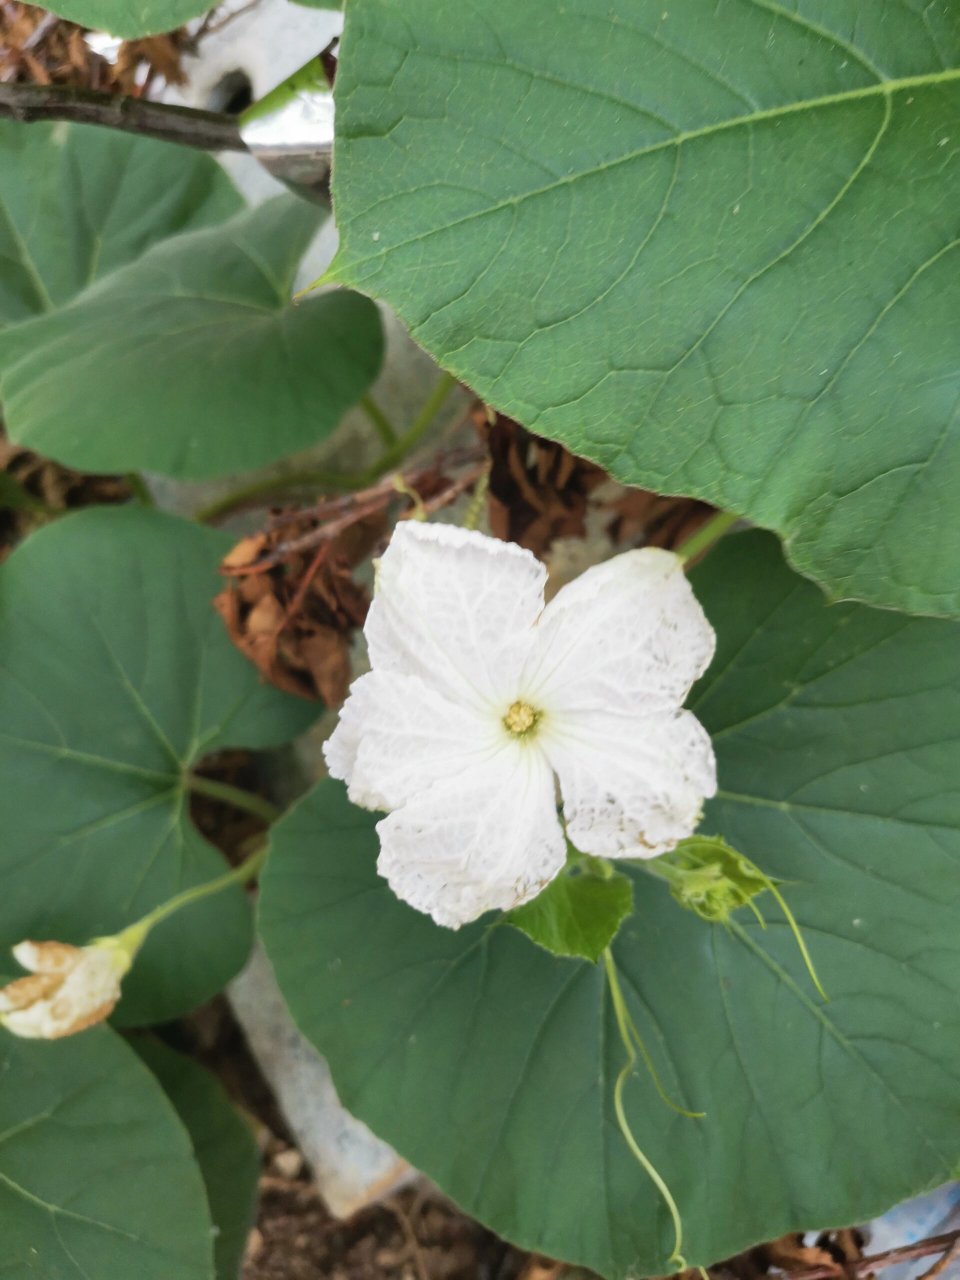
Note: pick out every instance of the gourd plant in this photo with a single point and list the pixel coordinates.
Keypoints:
(712, 247)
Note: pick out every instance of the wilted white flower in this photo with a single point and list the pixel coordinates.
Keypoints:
(481, 699)
(68, 990)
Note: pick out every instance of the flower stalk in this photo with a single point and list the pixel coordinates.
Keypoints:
(68, 989)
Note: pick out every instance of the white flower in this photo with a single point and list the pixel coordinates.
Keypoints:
(69, 988)
(480, 699)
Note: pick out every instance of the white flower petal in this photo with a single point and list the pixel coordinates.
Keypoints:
(457, 609)
(85, 996)
(397, 736)
(631, 787)
(488, 838)
(47, 957)
(628, 634)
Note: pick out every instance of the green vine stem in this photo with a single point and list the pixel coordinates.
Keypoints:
(223, 792)
(379, 419)
(478, 498)
(409, 440)
(308, 478)
(133, 937)
(795, 930)
(707, 535)
(624, 1024)
(338, 481)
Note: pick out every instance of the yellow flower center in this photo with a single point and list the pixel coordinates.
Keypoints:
(521, 719)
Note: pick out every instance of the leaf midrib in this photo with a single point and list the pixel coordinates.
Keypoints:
(819, 1014)
(28, 265)
(785, 806)
(89, 758)
(883, 89)
(55, 1209)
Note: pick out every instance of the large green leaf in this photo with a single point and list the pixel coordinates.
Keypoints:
(76, 202)
(115, 676)
(712, 246)
(192, 361)
(97, 1179)
(839, 756)
(129, 18)
(132, 18)
(223, 1144)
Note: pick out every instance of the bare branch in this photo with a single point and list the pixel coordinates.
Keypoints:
(333, 515)
(945, 1244)
(205, 130)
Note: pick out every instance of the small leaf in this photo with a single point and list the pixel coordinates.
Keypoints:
(97, 1178)
(209, 366)
(223, 1144)
(577, 914)
(651, 232)
(116, 677)
(76, 202)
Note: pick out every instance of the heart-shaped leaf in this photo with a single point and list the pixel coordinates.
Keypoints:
(77, 202)
(97, 1179)
(839, 754)
(192, 361)
(116, 676)
(713, 247)
(223, 1144)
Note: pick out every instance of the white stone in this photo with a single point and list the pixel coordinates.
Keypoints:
(351, 1167)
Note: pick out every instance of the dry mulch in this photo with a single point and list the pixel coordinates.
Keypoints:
(413, 1236)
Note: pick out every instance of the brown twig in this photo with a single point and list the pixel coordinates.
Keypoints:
(313, 538)
(205, 130)
(212, 24)
(333, 515)
(943, 1262)
(303, 586)
(385, 487)
(947, 1244)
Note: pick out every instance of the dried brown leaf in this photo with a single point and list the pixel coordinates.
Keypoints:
(33, 489)
(35, 47)
(294, 619)
(540, 492)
